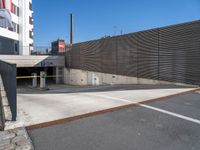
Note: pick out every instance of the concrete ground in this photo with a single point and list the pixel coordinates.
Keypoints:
(61, 101)
(169, 124)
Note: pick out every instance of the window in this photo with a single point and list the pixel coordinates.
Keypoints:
(18, 11)
(15, 27)
(30, 6)
(30, 20)
(15, 9)
(31, 34)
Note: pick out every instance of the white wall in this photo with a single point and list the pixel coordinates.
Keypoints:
(9, 34)
(25, 27)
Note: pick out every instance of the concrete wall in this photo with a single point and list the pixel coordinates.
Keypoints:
(82, 78)
(59, 73)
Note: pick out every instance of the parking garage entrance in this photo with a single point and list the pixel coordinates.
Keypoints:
(27, 76)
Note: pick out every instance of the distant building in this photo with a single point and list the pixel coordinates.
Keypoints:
(19, 39)
(58, 47)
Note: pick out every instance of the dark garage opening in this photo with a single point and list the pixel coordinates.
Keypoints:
(24, 75)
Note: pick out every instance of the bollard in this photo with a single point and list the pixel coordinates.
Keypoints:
(34, 80)
(42, 79)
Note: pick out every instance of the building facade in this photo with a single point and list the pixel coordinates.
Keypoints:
(58, 47)
(19, 39)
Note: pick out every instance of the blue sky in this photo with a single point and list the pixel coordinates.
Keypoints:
(97, 18)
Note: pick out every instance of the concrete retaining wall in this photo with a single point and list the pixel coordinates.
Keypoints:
(82, 78)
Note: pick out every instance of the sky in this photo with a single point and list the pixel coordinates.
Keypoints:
(94, 19)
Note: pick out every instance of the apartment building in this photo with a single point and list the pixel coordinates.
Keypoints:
(17, 40)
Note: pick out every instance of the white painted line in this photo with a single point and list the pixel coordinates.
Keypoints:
(171, 113)
(149, 107)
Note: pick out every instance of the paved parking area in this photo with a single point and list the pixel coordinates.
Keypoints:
(61, 101)
(169, 124)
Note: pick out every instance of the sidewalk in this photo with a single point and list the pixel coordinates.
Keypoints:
(36, 107)
(16, 139)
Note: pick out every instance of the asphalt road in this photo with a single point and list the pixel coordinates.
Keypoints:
(136, 128)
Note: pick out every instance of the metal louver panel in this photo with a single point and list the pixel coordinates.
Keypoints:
(169, 53)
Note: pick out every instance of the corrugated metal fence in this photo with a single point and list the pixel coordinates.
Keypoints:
(170, 54)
